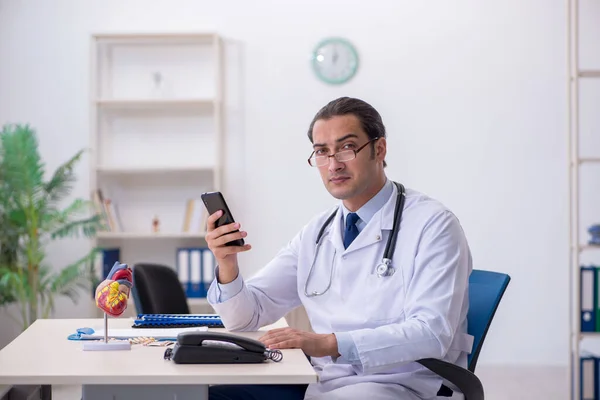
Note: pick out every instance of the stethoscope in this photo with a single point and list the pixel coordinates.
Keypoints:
(384, 268)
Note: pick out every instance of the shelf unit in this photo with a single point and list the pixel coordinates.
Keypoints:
(584, 137)
(157, 138)
(154, 103)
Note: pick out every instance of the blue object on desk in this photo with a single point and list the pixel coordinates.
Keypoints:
(177, 320)
(81, 331)
(158, 334)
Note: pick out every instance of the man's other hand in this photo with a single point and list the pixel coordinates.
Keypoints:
(313, 344)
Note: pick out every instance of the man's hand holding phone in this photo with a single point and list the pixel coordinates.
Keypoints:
(225, 255)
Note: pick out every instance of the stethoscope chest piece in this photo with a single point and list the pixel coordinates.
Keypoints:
(385, 268)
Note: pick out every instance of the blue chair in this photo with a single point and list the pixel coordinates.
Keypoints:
(486, 289)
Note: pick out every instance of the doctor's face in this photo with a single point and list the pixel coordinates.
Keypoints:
(357, 180)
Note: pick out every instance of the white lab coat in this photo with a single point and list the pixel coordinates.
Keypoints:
(418, 312)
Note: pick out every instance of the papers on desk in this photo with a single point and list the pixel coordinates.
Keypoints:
(157, 333)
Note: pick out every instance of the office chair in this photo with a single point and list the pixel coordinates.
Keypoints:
(486, 289)
(157, 290)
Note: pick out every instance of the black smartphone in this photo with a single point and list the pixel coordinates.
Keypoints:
(214, 201)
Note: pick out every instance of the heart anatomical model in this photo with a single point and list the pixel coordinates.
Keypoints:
(112, 293)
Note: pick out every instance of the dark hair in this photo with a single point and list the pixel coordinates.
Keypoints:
(369, 118)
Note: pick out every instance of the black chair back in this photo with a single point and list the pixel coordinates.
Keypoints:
(157, 290)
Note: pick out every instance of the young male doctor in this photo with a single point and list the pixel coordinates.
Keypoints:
(369, 329)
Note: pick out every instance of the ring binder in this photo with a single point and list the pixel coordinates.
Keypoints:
(177, 321)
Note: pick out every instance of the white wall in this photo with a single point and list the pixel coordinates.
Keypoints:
(473, 95)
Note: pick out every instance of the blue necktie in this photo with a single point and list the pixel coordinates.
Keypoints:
(351, 231)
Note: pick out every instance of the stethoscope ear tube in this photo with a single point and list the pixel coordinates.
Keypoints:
(391, 243)
(325, 225)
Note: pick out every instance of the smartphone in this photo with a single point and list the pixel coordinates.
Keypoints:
(214, 201)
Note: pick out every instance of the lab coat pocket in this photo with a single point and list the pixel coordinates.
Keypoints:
(386, 297)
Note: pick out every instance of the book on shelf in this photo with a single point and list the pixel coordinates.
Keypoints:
(106, 207)
(195, 216)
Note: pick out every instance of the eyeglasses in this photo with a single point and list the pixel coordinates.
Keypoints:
(340, 156)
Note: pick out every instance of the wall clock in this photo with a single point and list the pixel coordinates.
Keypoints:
(335, 60)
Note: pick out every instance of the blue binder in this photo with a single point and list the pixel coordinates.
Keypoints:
(588, 294)
(177, 321)
(183, 269)
(197, 288)
(208, 269)
(109, 257)
(588, 377)
(189, 270)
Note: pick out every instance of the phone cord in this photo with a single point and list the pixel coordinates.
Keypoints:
(274, 355)
(168, 353)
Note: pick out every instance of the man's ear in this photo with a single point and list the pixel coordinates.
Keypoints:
(381, 149)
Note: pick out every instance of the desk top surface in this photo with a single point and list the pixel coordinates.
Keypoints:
(43, 355)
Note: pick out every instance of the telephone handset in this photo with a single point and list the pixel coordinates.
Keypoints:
(219, 348)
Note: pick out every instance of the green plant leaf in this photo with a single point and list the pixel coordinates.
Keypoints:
(88, 227)
(17, 217)
(8, 286)
(68, 281)
(12, 290)
(54, 218)
(73, 221)
(23, 169)
(10, 246)
(31, 214)
(73, 274)
(61, 183)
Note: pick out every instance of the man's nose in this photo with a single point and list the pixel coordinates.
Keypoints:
(335, 165)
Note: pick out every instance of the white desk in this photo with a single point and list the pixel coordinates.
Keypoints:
(42, 355)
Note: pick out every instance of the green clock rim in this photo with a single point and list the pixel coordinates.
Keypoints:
(346, 43)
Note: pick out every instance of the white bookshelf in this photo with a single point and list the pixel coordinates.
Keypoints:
(155, 103)
(116, 170)
(156, 127)
(584, 172)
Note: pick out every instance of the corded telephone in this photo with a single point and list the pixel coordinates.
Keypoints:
(218, 348)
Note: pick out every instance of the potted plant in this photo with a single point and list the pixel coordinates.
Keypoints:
(32, 215)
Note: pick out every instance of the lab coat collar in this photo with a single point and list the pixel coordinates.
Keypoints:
(335, 233)
(372, 233)
(386, 216)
